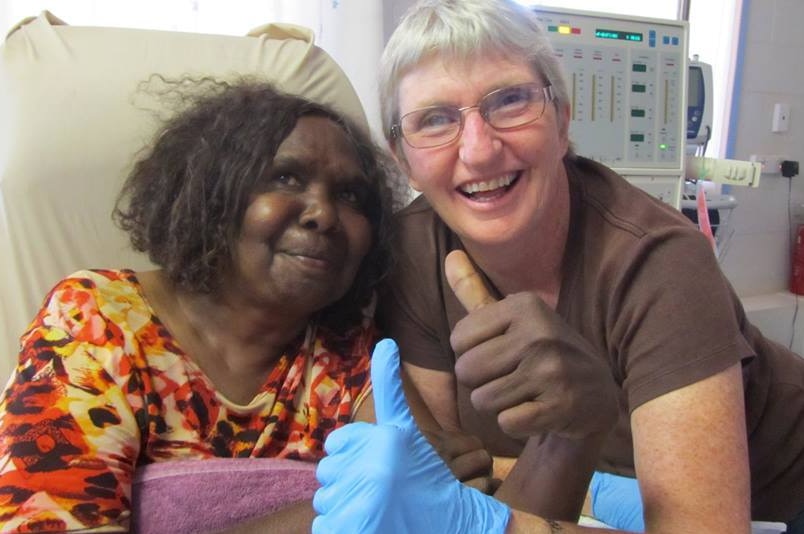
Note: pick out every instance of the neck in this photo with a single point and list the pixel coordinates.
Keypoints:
(242, 335)
(233, 324)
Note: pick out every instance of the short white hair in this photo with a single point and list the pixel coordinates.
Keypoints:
(460, 30)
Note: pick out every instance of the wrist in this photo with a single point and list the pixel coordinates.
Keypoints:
(524, 523)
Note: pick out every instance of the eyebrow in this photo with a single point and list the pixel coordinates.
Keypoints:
(302, 165)
(495, 87)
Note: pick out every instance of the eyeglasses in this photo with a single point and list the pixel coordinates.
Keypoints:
(503, 109)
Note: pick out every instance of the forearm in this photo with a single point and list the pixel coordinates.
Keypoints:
(296, 518)
(551, 476)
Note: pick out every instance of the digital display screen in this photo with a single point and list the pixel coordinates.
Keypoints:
(695, 87)
(616, 34)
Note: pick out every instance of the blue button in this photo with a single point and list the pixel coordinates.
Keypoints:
(665, 39)
(675, 41)
(652, 34)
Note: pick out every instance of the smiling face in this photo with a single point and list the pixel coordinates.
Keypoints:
(304, 233)
(489, 186)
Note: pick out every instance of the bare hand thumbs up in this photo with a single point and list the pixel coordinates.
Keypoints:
(465, 281)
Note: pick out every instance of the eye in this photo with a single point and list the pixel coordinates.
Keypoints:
(511, 99)
(432, 120)
(286, 180)
(354, 194)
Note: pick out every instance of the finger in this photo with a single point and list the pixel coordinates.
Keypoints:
(465, 281)
(471, 465)
(485, 485)
(529, 418)
(390, 405)
(326, 498)
(329, 469)
(452, 444)
(348, 436)
(321, 525)
(489, 359)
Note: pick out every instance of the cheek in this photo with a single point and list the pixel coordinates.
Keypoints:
(358, 228)
(424, 167)
(263, 215)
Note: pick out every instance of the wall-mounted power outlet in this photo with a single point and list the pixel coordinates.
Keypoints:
(770, 164)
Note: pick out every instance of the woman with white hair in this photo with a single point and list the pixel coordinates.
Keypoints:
(558, 313)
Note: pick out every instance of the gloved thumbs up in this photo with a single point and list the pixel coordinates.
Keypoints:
(388, 478)
(390, 405)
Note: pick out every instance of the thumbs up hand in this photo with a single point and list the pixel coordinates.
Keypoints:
(524, 363)
(386, 477)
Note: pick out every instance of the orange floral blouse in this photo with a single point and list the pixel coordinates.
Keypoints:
(101, 387)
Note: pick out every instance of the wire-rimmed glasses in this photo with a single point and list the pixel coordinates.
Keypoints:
(503, 109)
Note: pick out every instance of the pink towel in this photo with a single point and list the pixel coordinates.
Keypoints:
(194, 496)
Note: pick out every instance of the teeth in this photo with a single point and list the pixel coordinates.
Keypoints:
(488, 185)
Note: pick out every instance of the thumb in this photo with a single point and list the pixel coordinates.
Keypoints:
(390, 405)
(465, 281)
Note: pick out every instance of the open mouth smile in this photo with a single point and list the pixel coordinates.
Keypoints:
(487, 190)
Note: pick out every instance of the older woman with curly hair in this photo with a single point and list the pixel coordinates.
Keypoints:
(268, 217)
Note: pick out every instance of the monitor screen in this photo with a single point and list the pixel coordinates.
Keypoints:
(695, 87)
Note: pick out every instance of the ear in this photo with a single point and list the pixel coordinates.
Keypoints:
(398, 153)
(564, 113)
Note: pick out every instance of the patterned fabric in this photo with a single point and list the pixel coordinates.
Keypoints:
(101, 387)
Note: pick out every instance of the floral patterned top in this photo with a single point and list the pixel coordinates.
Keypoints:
(101, 387)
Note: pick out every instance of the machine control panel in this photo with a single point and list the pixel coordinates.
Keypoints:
(626, 79)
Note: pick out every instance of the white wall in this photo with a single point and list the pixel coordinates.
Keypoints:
(758, 259)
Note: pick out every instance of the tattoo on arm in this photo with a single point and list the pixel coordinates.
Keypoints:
(555, 528)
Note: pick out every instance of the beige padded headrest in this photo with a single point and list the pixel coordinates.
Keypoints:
(71, 125)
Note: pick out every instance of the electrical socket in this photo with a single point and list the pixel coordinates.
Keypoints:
(770, 164)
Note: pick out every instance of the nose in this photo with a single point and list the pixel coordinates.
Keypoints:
(319, 212)
(478, 143)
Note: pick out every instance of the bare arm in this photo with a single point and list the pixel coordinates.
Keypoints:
(691, 459)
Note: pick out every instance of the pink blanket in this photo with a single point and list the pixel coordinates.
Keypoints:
(195, 496)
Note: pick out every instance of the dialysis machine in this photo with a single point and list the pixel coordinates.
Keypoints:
(627, 79)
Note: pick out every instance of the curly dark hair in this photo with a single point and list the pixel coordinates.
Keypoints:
(183, 202)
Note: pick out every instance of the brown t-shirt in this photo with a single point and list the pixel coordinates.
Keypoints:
(642, 285)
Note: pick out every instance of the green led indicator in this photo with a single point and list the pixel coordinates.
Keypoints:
(552, 28)
(637, 138)
(663, 146)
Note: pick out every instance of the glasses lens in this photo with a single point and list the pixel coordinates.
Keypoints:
(513, 106)
(432, 126)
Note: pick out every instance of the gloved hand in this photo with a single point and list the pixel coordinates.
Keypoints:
(387, 477)
(617, 501)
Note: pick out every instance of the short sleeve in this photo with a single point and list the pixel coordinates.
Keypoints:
(68, 437)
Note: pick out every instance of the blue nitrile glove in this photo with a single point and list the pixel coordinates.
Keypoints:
(617, 501)
(388, 478)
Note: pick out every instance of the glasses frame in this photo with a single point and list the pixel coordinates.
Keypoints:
(547, 91)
